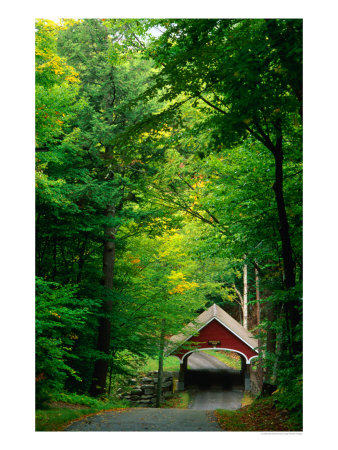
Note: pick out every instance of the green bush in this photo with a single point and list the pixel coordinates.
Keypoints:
(59, 316)
(85, 400)
(56, 417)
(291, 398)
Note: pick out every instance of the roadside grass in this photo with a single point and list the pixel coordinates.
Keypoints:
(178, 400)
(247, 399)
(55, 419)
(68, 407)
(231, 359)
(170, 364)
(261, 415)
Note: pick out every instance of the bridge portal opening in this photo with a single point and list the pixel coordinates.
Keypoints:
(214, 370)
(213, 330)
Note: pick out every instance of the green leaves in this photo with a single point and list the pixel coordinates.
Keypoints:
(178, 149)
(60, 317)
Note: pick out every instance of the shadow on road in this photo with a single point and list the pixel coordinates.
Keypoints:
(211, 389)
(226, 379)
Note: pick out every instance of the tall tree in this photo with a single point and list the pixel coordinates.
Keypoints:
(107, 90)
(249, 78)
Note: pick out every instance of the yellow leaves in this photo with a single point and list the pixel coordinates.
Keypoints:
(53, 27)
(66, 23)
(179, 289)
(46, 25)
(230, 298)
(53, 64)
(73, 336)
(53, 313)
(72, 79)
(199, 183)
(171, 245)
(47, 60)
(135, 260)
(183, 285)
(39, 52)
(158, 134)
(174, 276)
(74, 76)
(59, 67)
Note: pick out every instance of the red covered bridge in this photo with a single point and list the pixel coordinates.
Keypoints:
(213, 329)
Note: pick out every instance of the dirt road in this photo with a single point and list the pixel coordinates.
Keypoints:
(213, 384)
(148, 419)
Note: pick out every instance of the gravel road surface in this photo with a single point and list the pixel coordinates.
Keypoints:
(148, 419)
(212, 399)
(212, 385)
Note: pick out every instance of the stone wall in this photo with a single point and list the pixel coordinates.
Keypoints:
(142, 391)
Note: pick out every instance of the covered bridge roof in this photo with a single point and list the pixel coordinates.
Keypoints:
(213, 313)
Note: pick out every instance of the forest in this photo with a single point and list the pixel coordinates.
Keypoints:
(168, 178)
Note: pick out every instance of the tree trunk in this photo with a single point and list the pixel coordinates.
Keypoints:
(98, 386)
(279, 339)
(241, 305)
(160, 366)
(110, 377)
(243, 299)
(270, 337)
(289, 265)
(111, 371)
(245, 296)
(288, 262)
(258, 317)
(258, 307)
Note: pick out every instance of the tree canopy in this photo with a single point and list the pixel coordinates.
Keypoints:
(167, 168)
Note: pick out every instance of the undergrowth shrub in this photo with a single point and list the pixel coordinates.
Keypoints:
(59, 317)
